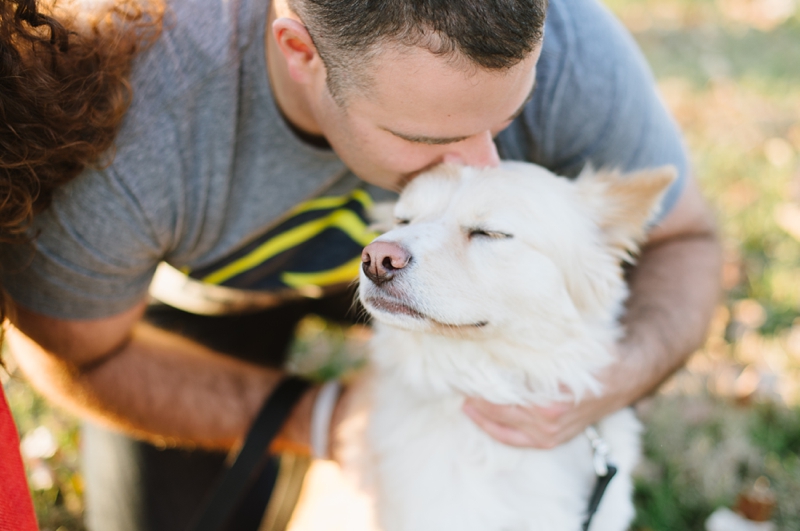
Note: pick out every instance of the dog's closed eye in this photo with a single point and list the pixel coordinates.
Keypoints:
(477, 232)
(401, 221)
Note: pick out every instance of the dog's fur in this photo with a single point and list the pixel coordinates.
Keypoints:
(512, 293)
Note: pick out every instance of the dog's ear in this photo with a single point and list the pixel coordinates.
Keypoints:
(623, 204)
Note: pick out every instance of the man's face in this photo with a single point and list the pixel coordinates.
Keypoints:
(421, 110)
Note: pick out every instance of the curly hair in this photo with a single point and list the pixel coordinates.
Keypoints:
(63, 93)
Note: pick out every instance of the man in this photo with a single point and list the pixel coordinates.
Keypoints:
(239, 180)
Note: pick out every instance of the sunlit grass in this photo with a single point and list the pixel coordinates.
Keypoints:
(730, 72)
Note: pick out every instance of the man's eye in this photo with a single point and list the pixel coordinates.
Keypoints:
(493, 234)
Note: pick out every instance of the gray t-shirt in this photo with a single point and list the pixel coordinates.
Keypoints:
(209, 178)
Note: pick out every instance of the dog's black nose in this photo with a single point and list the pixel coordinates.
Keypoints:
(381, 261)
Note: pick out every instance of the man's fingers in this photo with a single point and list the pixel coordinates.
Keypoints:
(541, 427)
(508, 415)
(554, 411)
(499, 432)
(521, 416)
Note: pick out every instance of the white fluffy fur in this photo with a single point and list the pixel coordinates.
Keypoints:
(551, 295)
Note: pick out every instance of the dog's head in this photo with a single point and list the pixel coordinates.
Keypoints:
(500, 251)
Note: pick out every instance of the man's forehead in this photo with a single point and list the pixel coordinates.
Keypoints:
(394, 63)
(429, 99)
(443, 140)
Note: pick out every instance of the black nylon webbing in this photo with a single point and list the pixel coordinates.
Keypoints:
(268, 423)
(236, 479)
(597, 494)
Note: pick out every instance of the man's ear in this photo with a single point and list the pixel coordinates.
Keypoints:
(624, 204)
(295, 43)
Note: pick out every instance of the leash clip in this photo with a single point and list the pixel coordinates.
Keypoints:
(599, 451)
(603, 469)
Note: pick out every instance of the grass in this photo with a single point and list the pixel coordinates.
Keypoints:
(730, 72)
(700, 452)
(52, 460)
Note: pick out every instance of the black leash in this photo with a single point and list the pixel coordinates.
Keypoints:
(268, 423)
(604, 472)
(235, 480)
(597, 494)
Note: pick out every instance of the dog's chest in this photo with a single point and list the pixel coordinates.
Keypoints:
(435, 469)
(438, 470)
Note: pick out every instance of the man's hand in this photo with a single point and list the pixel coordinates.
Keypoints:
(553, 425)
(674, 289)
(527, 426)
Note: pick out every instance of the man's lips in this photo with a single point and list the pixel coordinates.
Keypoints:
(395, 307)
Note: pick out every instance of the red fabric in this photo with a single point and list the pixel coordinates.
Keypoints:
(16, 509)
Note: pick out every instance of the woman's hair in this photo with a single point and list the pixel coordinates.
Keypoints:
(63, 93)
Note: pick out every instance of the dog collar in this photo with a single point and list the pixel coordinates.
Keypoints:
(603, 469)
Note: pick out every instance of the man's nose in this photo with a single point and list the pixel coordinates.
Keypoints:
(381, 261)
(479, 151)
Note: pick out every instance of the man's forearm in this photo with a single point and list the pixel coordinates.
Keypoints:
(161, 387)
(674, 290)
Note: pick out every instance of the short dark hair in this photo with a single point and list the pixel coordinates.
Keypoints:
(492, 34)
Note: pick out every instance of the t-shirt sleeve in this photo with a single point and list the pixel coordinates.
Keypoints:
(95, 249)
(595, 102)
(93, 255)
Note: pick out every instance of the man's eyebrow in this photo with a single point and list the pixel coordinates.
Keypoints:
(435, 141)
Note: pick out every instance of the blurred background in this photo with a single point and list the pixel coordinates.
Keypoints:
(730, 72)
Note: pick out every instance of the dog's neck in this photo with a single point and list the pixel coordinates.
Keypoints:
(525, 367)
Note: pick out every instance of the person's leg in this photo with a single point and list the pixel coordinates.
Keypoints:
(112, 475)
(133, 486)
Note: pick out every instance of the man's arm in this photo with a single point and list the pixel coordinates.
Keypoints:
(146, 381)
(674, 289)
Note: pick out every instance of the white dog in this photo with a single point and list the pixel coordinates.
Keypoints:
(504, 284)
